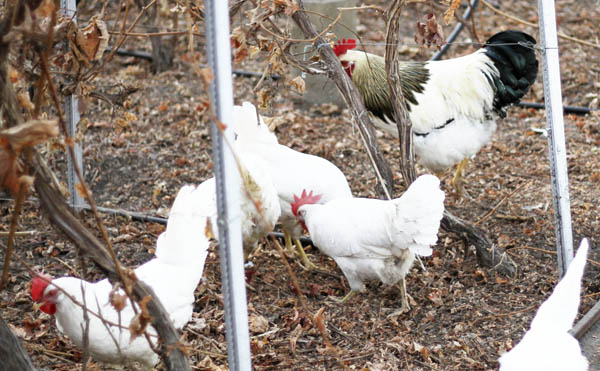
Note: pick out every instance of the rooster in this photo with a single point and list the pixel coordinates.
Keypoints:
(375, 239)
(548, 345)
(290, 170)
(173, 275)
(453, 104)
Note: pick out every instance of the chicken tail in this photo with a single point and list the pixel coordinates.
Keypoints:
(419, 212)
(250, 127)
(513, 54)
(560, 309)
(184, 241)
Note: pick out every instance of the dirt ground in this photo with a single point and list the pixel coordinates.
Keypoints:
(463, 316)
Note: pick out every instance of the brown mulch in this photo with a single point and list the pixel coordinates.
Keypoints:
(463, 316)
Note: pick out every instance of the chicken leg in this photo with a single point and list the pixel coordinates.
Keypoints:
(457, 181)
(290, 246)
(404, 299)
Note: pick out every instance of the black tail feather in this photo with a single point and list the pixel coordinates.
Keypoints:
(513, 54)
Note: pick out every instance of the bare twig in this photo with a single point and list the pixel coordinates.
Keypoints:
(14, 221)
(407, 155)
(495, 208)
(351, 96)
(20, 233)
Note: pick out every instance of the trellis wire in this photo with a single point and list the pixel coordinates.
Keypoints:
(68, 8)
(228, 188)
(556, 135)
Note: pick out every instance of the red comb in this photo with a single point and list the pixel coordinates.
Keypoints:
(303, 200)
(38, 285)
(341, 47)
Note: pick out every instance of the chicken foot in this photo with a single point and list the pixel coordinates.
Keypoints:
(404, 299)
(307, 264)
(457, 180)
(348, 296)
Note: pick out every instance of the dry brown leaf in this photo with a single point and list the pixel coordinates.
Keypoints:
(238, 44)
(451, 9)
(298, 84)
(46, 8)
(208, 232)
(118, 301)
(93, 39)
(436, 297)
(262, 99)
(294, 336)
(138, 324)
(320, 321)
(25, 101)
(258, 324)
(28, 134)
(206, 75)
(130, 117)
(80, 188)
(14, 75)
(429, 32)
(208, 364)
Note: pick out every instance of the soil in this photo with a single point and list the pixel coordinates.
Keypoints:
(463, 316)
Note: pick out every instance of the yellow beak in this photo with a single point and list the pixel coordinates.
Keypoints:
(36, 306)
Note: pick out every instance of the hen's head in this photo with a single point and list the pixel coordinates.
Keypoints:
(304, 199)
(46, 301)
(340, 49)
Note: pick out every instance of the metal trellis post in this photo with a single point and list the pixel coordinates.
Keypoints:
(228, 187)
(68, 8)
(556, 135)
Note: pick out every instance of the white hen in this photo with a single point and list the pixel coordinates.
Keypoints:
(259, 201)
(173, 275)
(290, 170)
(375, 239)
(548, 346)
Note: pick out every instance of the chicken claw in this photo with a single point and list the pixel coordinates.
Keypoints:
(343, 300)
(308, 265)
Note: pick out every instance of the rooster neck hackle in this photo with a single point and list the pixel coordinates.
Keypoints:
(370, 78)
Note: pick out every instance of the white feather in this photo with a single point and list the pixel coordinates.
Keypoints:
(291, 171)
(548, 346)
(377, 239)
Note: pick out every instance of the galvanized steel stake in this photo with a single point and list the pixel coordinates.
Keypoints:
(556, 135)
(68, 8)
(228, 188)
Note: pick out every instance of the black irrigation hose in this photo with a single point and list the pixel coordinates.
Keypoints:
(567, 109)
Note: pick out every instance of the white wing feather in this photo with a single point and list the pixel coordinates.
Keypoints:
(548, 345)
(418, 213)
